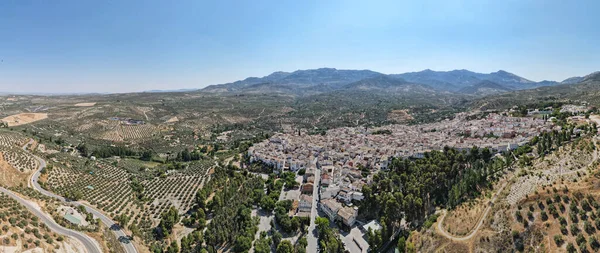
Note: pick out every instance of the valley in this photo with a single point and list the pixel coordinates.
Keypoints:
(372, 163)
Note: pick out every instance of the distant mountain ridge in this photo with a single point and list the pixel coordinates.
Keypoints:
(484, 88)
(300, 79)
(311, 81)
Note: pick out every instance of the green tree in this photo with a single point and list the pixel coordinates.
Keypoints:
(168, 220)
(285, 246)
(263, 244)
(123, 219)
(401, 244)
(146, 155)
(242, 244)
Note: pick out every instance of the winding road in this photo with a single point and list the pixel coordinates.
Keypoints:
(90, 244)
(123, 238)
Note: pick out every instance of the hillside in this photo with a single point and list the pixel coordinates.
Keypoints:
(572, 80)
(296, 81)
(388, 84)
(484, 88)
(457, 79)
(588, 90)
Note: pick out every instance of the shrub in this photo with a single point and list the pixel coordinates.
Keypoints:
(580, 239)
(558, 239)
(574, 229)
(571, 248)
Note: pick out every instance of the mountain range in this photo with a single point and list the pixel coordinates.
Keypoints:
(583, 89)
(316, 81)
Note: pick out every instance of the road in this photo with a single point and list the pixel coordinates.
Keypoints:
(312, 237)
(90, 244)
(123, 238)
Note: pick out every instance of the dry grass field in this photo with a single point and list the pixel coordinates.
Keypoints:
(464, 218)
(24, 118)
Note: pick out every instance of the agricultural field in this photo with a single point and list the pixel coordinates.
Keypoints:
(561, 216)
(121, 133)
(18, 159)
(22, 231)
(141, 192)
(15, 164)
(10, 139)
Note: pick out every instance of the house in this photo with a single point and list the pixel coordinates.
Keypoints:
(305, 204)
(307, 188)
(330, 207)
(72, 219)
(330, 192)
(325, 180)
(310, 172)
(358, 196)
(328, 168)
(344, 195)
(373, 225)
(348, 215)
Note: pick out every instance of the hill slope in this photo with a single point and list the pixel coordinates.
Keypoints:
(484, 88)
(388, 84)
(457, 79)
(588, 90)
(297, 81)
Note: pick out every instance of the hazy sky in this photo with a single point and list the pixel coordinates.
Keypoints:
(120, 46)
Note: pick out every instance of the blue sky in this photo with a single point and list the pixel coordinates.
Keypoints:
(122, 46)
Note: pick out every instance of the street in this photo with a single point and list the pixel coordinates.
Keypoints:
(312, 237)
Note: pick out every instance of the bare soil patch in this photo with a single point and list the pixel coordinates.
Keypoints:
(462, 220)
(85, 104)
(24, 118)
(172, 119)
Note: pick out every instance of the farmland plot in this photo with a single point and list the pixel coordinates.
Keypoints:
(19, 159)
(129, 133)
(109, 188)
(11, 139)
